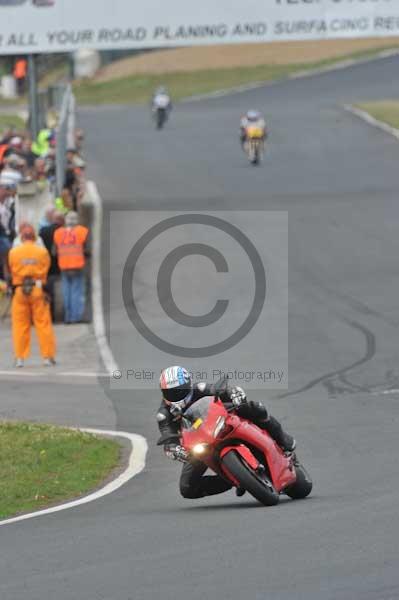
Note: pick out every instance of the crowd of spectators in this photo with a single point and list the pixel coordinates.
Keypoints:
(23, 160)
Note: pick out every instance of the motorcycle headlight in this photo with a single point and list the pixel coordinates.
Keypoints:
(219, 426)
(199, 449)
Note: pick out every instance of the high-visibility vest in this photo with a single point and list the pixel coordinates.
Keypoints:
(20, 69)
(59, 205)
(70, 246)
(3, 150)
(41, 146)
(28, 260)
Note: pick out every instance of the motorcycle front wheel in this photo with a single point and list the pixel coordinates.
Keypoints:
(254, 153)
(258, 485)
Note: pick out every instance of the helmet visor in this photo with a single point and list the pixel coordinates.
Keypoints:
(177, 407)
(176, 394)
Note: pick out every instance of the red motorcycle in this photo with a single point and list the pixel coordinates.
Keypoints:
(242, 453)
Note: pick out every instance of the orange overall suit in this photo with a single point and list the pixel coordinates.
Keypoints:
(30, 261)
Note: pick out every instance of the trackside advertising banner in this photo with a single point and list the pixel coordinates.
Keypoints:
(36, 26)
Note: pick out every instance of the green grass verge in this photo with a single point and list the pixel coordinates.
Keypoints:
(138, 88)
(385, 110)
(11, 119)
(43, 465)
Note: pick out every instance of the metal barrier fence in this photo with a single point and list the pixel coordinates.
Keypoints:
(65, 132)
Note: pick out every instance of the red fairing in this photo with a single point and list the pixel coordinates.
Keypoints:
(280, 466)
(245, 453)
(244, 435)
(242, 451)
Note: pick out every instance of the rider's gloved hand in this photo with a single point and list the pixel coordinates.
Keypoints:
(176, 452)
(237, 396)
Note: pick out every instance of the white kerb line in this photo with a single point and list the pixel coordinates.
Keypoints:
(97, 294)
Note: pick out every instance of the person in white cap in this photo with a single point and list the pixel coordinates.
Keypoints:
(13, 168)
(71, 243)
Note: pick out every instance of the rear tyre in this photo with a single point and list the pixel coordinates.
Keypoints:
(161, 118)
(303, 485)
(259, 486)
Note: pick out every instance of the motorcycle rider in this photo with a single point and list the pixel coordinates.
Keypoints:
(253, 118)
(178, 393)
(161, 99)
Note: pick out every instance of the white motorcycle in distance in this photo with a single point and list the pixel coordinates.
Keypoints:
(161, 107)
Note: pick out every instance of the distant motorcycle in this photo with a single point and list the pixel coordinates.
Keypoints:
(161, 110)
(254, 144)
(239, 451)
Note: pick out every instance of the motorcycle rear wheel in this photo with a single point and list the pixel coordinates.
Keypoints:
(160, 119)
(303, 485)
(259, 486)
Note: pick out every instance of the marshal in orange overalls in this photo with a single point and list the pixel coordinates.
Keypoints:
(30, 260)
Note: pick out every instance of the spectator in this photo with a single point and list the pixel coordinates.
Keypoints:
(7, 134)
(21, 161)
(20, 71)
(47, 218)
(45, 138)
(4, 148)
(7, 206)
(5, 243)
(50, 164)
(64, 201)
(29, 265)
(18, 240)
(47, 235)
(70, 157)
(71, 243)
(14, 168)
(71, 181)
(40, 169)
(15, 144)
(25, 152)
(79, 139)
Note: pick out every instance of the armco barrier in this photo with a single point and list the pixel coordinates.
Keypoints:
(86, 217)
(33, 199)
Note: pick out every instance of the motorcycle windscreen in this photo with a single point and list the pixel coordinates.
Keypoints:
(197, 414)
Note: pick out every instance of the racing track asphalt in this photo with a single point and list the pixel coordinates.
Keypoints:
(338, 179)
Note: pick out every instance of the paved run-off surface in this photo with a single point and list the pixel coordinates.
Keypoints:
(338, 179)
